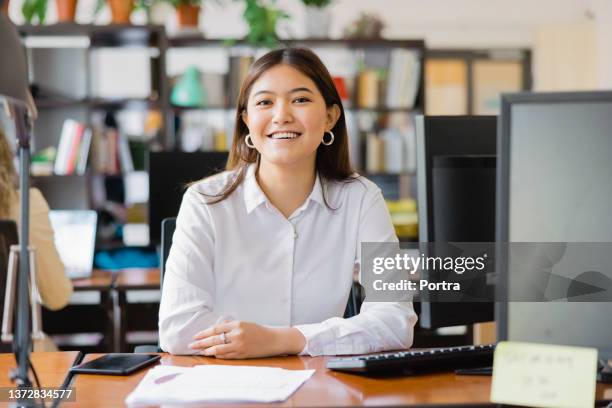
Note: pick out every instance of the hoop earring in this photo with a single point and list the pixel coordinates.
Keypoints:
(248, 139)
(331, 140)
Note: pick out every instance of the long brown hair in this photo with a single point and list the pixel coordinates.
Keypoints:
(7, 176)
(332, 162)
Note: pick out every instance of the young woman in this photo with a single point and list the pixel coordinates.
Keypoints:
(53, 285)
(263, 254)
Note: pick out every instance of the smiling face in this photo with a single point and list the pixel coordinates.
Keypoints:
(287, 117)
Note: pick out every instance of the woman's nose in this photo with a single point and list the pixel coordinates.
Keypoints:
(282, 113)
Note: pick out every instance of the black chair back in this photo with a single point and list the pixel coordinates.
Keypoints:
(167, 230)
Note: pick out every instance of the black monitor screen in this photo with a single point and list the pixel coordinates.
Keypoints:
(456, 199)
(169, 174)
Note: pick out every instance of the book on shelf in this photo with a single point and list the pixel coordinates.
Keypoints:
(393, 145)
(111, 152)
(390, 151)
(395, 87)
(238, 69)
(403, 79)
(375, 153)
(213, 85)
(340, 84)
(126, 163)
(368, 88)
(81, 165)
(73, 149)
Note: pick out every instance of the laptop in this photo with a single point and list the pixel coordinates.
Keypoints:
(75, 240)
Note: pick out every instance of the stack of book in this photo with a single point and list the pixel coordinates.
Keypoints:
(396, 87)
(73, 149)
(390, 151)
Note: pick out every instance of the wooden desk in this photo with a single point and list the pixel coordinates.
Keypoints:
(50, 367)
(85, 318)
(110, 316)
(325, 388)
(144, 314)
(137, 279)
(100, 280)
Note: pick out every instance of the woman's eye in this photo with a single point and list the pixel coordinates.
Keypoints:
(262, 102)
(302, 100)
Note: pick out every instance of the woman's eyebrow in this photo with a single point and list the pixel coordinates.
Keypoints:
(294, 90)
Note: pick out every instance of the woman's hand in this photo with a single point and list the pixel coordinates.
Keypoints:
(237, 339)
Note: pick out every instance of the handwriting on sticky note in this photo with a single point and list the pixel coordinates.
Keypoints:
(542, 375)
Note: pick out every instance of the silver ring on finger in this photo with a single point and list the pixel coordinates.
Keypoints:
(224, 338)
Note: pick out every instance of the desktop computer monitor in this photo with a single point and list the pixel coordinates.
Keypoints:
(169, 174)
(456, 200)
(554, 186)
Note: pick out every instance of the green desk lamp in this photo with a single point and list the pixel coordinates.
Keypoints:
(188, 91)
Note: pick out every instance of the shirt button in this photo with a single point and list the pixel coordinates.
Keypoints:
(295, 234)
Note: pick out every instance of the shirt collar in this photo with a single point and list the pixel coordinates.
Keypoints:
(254, 195)
(317, 191)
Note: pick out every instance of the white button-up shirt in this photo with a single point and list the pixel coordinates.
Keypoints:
(241, 258)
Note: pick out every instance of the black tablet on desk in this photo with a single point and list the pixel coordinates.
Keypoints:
(116, 364)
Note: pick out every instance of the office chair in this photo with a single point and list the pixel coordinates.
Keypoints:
(353, 305)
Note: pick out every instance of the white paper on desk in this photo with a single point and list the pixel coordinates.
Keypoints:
(217, 383)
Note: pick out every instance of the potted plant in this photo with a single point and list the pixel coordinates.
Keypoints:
(366, 26)
(187, 12)
(34, 8)
(262, 18)
(66, 10)
(318, 18)
(120, 10)
(5, 7)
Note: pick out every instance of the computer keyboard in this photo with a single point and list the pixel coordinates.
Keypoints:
(414, 361)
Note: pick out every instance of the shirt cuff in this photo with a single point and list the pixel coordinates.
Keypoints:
(314, 335)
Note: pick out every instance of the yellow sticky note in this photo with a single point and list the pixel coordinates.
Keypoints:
(541, 375)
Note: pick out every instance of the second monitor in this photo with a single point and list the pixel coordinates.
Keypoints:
(456, 200)
(169, 175)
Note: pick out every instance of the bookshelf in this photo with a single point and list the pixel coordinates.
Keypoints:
(362, 66)
(73, 68)
(71, 90)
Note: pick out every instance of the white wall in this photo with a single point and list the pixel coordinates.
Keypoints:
(603, 17)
